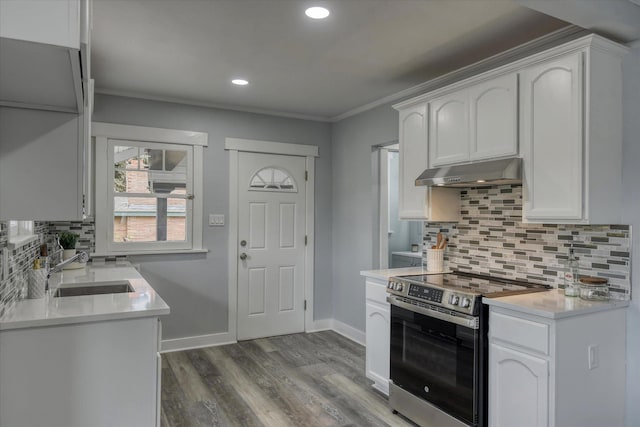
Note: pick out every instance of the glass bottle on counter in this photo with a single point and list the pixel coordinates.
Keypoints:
(571, 276)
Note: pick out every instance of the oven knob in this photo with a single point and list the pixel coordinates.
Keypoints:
(390, 285)
(400, 287)
(466, 302)
(453, 299)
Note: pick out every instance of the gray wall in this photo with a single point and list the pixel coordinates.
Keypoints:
(353, 198)
(195, 286)
(631, 180)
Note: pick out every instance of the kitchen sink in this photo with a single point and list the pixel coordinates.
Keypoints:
(93, 288)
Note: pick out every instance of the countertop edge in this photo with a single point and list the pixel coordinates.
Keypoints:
(93, 318)
(502, 302)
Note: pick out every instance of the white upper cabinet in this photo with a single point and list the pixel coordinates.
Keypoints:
(494, 118)
(571, 134)
(417, 202)
(552, 135)
(413, 161)
(44, 41)
(55, 22)
(449, 129)
(477, 122)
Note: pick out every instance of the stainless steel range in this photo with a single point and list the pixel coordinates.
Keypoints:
(439, 345)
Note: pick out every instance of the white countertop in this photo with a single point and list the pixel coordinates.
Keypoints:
(552, 304)
(408, 254)
(405, 271)
(48, 311)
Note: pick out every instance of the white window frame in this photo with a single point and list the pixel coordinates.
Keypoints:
(20, 233)
(106, 136)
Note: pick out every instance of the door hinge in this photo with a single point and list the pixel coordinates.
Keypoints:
(305, 305)
(305, 240)
(306, 175)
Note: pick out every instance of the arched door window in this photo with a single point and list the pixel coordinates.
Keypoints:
(273, 179)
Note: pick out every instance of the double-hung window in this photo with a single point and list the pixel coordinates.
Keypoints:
(148, 194)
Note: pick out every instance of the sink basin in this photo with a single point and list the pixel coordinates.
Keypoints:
(93, 288)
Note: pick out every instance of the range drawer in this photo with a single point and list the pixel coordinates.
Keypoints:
(521, 332)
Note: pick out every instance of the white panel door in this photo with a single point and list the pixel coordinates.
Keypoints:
(494, 118)
(413, 161)
(552, 140)
(518, 389)
(449, 129)
(271, 236)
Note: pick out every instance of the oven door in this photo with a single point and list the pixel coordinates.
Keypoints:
(436, 359)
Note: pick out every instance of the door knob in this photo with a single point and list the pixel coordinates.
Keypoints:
(243, 256)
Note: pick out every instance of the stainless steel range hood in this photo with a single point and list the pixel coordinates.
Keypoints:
(491, 172)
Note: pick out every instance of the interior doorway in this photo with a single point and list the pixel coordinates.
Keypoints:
(400, 241)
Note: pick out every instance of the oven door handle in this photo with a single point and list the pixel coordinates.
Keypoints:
(460, 319)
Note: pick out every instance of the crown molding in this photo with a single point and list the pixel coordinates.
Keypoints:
(285, 114)
(547, 41)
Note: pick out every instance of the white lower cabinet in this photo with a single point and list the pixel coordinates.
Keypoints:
(515, 373)
(566, 372)
(378, 330)
(98, 374)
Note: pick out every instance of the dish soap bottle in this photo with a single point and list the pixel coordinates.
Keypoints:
(571, 285)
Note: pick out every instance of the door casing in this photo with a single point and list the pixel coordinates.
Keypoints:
(309, 152)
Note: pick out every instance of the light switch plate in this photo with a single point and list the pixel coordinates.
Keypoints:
(216, 220)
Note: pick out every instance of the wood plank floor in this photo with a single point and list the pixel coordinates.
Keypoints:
(296, 380)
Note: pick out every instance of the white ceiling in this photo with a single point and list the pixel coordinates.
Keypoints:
(188, 50)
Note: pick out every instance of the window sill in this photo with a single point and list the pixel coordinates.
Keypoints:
(19, 241)
(163, 252)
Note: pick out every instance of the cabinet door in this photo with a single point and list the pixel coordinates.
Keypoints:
(413, 161)
(55, 22)
(494, 118)
(449, 129)
(552, 140)
(377, 345)
(518, 389)
(40, 165)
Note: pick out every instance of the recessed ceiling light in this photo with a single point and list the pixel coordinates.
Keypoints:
(481, 180)
(240, 82)
(317, 12)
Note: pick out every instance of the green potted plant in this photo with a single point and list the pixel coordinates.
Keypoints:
(68, 242)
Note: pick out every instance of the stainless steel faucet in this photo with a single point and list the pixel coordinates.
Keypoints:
(80, 256)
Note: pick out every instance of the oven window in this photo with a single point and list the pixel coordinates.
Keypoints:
(436, 361)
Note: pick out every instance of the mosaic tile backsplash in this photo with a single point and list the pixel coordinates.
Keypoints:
(20, 260)
(491, 239)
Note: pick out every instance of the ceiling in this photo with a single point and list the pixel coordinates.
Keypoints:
(189, 50)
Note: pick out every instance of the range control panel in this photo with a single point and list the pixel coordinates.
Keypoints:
(425, 293)
(458, 301)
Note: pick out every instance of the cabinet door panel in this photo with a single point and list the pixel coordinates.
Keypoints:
(552, 139)
(518, 389)
(377, 344)
(449, 129)
(494, 118)
(413, 161)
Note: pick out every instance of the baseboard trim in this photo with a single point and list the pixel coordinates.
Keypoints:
(200, 341)
(223, 338)
(348, 331)
(320, 325)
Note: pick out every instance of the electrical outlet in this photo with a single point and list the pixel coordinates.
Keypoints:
(216, 220)
(593, 354)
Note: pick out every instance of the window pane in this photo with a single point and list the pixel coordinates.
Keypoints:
(176, 223)
(141, 219)
(131, 181)
(135, 219)
(125, 157)
(151, 159)
(175, 160)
